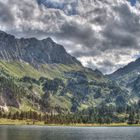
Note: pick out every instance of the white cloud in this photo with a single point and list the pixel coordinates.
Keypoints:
(101, 34)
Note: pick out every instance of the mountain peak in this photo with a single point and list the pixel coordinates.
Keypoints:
(48, 39)
(5, 35)
(2, 32)
(132, 69)
(34, 51)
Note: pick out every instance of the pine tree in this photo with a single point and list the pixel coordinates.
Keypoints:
(131, 118)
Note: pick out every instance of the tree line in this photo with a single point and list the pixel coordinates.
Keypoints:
(102, 115)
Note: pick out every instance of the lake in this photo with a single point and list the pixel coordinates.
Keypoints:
(68, 133)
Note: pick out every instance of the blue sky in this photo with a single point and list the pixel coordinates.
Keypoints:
(133, 2)
(62, 5)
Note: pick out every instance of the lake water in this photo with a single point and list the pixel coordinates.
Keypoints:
(68, 133)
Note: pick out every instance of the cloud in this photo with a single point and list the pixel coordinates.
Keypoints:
(78, 33)
(101, 34)
(6, 16)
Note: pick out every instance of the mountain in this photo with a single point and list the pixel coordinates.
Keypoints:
(40, 75)
(33, 51)
(128, 73)
(129, 78)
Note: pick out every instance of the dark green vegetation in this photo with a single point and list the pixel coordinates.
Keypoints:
(128, 77)
(75, 91)
(39, 75)
(97, 115)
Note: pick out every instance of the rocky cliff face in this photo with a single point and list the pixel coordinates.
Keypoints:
(33, 51)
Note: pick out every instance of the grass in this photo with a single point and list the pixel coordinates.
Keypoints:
(41, 123)
(19, 122)
(60, 101)
(20, 69)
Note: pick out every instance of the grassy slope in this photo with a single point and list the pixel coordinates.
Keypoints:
(20, 69)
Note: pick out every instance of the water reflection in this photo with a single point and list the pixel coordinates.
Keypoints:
(68, 133)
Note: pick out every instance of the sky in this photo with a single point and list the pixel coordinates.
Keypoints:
(102, 34)
(133, 2)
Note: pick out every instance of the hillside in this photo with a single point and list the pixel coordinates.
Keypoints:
(40, 75)
(127, 74)
(128, 78)
(33, 51)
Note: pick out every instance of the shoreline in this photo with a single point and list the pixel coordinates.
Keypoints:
(37, 123)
